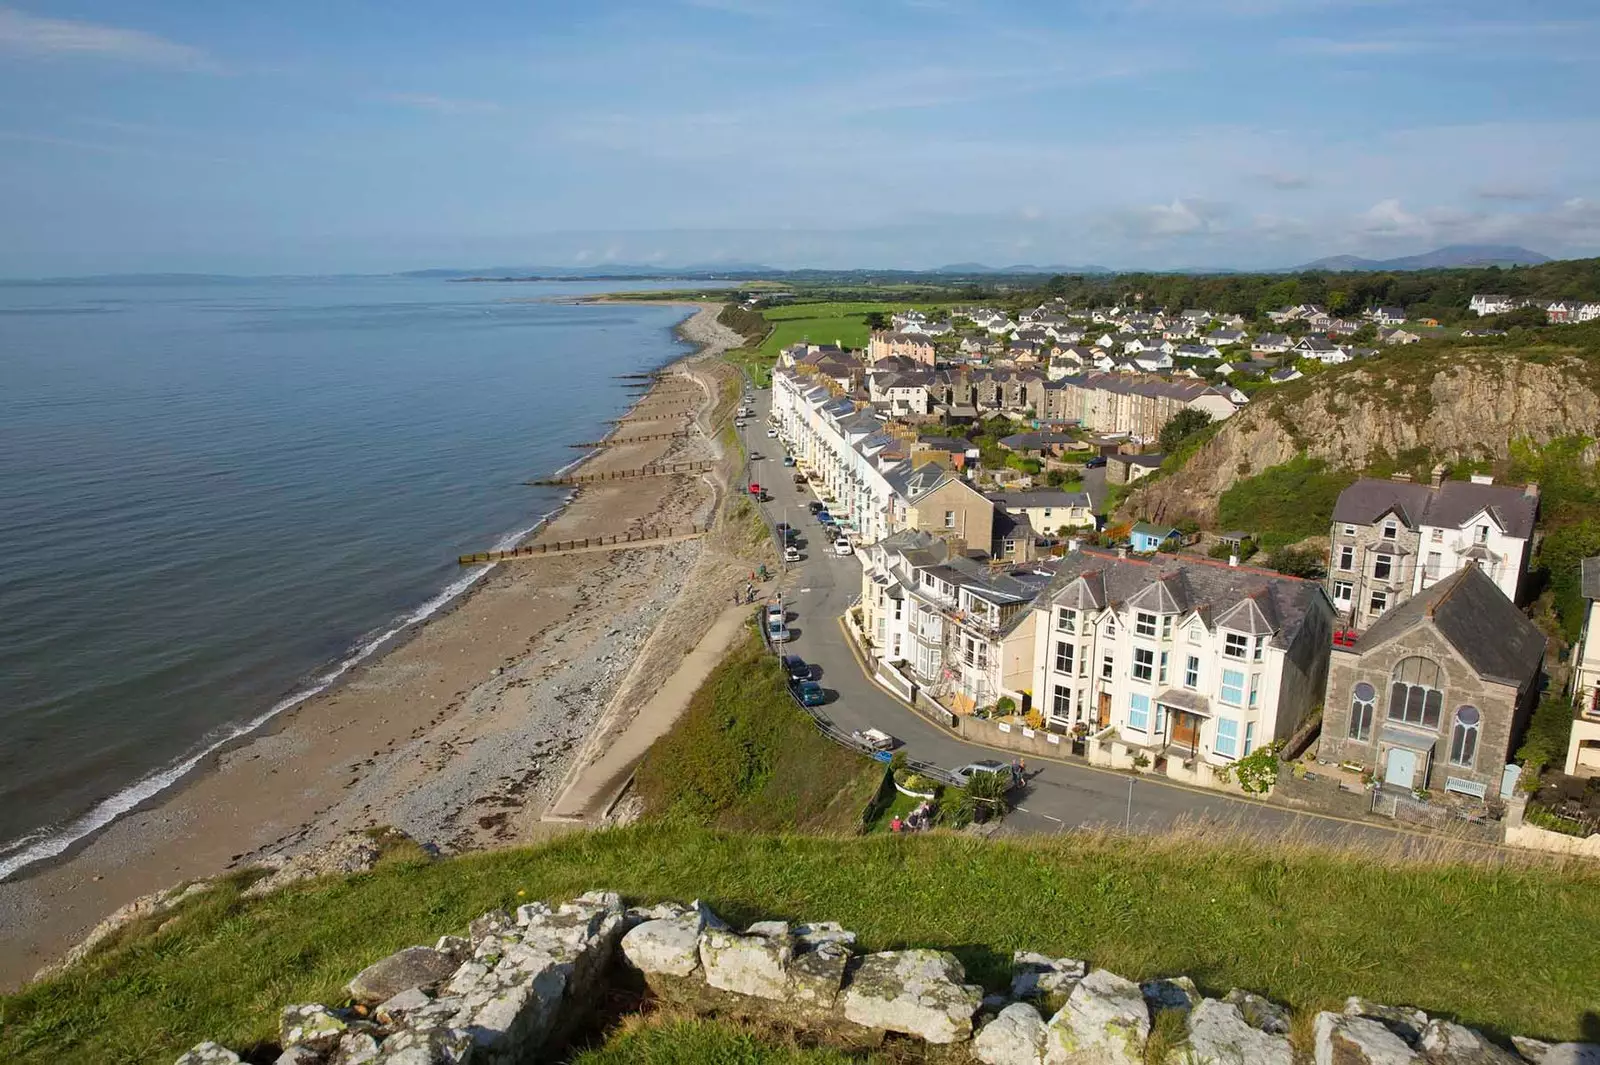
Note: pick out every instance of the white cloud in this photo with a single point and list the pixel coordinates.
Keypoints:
(1387, 218)
(32, 35)
(442, 105)
(1181, 217)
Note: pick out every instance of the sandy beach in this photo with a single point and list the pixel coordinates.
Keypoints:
(460, 733)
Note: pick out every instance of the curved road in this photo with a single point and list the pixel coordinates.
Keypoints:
(1058, 794)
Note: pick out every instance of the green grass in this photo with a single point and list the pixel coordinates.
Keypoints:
(825, 323)
(1501, 947)
(693, 1042)
(1284, 504)
(745, 757)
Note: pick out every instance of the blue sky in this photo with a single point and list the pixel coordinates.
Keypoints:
(356, 135)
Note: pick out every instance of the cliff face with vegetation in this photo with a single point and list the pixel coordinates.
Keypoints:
(1402, 411)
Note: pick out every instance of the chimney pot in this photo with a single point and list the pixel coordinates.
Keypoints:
(1403, 478)
(1483, 478)
(1438, 475)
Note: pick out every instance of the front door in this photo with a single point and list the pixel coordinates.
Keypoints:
(1105, 709)
(1401, 770)
(1185, 729)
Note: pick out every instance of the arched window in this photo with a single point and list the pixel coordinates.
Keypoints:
(1415, 692)
(1464, 737)
(1363, 697)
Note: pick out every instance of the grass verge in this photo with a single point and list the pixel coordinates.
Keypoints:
(1505, 947)
(744, 756)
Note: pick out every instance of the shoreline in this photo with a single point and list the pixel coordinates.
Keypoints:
(154, 842)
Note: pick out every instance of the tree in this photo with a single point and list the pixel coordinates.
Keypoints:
(1181, 426)
(1293, 562)
(877, 320)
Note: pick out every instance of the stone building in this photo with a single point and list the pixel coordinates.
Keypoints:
(1437, 693)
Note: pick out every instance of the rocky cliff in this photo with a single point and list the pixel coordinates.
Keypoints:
(1406, 408)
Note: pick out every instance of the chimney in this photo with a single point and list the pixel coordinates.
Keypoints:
(1483, 478)
(1233, 561)
(1403, 478)
(1438, 475)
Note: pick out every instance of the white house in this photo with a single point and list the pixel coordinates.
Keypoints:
(1271, 344)
(1320, 348)
(1189, 660)
(1491, 304)
(1048, 511)
(1583, 749)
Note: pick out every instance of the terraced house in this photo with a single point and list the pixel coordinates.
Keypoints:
(1186, 659)
(1121, 403)
(1392, 539)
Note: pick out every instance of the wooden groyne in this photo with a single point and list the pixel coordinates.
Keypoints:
(669, 469)
(681, 434)
(658, 375)
(650, 418)
(654, 534)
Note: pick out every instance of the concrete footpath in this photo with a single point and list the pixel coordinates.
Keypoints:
(596, 787)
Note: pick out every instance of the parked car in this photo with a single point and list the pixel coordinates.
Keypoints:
(987, 765)
(877, 739)
(842, 546)
(1095, 463)
(776, 612)
(791, 554)
(739, 424)
(788, 460)
(783, 526)
(800, 479)
(755, 489)
(811, 693)
(777, 631)
(797, 668)
(824, 518)
(816, 507)
(773, 433)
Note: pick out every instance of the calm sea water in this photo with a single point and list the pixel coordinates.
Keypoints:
(216, 496)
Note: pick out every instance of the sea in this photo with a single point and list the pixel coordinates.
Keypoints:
(217, 496)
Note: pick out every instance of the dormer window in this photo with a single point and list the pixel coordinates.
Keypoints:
(1195, 633)
(1482, 536)
(1391, 531)
(1235, 645)
(1144, 623)
(1166, 626)
(1258, 648)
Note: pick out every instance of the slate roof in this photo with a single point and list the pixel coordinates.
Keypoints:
(1448, 506)
(1092, 580)
(1475, 617)
(1589, 568)
(1045, 498)
(912, 484)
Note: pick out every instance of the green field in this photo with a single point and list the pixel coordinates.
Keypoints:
(826, 323)
(1505, 948)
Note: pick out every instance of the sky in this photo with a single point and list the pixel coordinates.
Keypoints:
(387, 135)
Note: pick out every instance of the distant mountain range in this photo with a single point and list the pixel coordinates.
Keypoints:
(968, 269)
(1456, 255)
(602, 270)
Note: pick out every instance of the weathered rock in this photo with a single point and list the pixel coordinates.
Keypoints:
(918, 992)
(425, 1048)
(670, 947)
(1220, 1035)
(529, 912)
(816, 975)
(1404, 1021)
(313, 1026)
(1035, 976)
(661, 911)
(747, 965)
(355, 1048)
(300, 1056)
(1573, 1054)
(1015, 1037)
(151, 905)
(1105, 1021)
(779, 929)
(816, 933)
(1532, 1050)
(413, 967)
(356, 852)
(458, 948)
(209, 1053)
(1453, 1044)
(491, 925)
(1177, 993)
(394, 1012)
(1356, 1039)
(1259, 1012)
(470, 975)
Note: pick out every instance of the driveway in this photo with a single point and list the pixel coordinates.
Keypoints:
(1058, 795)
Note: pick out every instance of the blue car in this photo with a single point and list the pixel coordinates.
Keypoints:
(824, 517)
(811, 693)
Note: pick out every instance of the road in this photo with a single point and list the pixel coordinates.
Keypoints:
(1057, 795)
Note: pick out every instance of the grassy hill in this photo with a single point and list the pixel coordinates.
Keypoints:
(1502, 947)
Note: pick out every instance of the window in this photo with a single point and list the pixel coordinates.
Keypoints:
(1107, 664)
(1111, 624)
(1258, 648)
(1249, 737)
(1414, 692)
(1234, 645)
(1232, 687)
(1362, 699)
(1382, 566)
(1227, 736)
(1342, 591)
(949, 519)
(1436, 535)
(1144, 661)
(1067, 620)
(1195, 633)
(1391, 531)
(1434, 563)
(1349, 530)
(1464, 737)
(1482, 536)
(1191, 673)
(1139, 712)
(1064, 658)
(1061, 702)
(1255, 689)
(1347, 557)
(1144, 624)
(1161, 719)
(1379, 603)
(1161, 673)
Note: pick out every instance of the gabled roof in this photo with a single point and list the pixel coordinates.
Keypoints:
(1589, 577)
(1161, 532)
(1473, 616)
(1449, 506)
(1364, 502)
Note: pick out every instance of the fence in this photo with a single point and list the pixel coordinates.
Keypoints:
(653, 534)
(657, 470)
